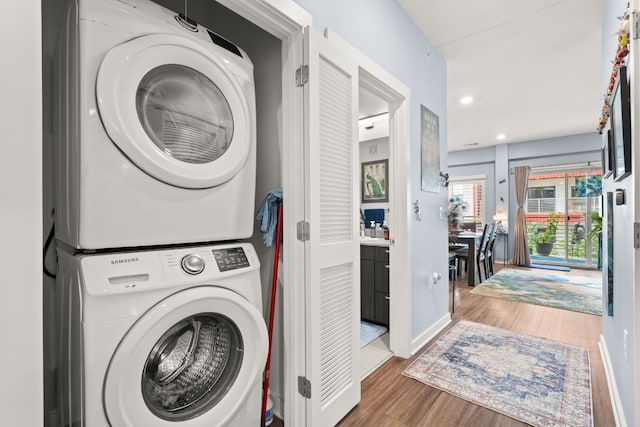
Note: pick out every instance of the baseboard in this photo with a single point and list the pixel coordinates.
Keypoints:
(278, 405)
(616, 404)
(431, 332)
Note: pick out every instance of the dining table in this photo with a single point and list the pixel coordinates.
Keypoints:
(472, 240)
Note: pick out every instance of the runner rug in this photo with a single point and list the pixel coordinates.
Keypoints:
(534, 380)
(551, 289)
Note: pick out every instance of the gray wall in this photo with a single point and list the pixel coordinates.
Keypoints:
(385, 33)
(623, 300)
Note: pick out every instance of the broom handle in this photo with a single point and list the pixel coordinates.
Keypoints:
(274, 287)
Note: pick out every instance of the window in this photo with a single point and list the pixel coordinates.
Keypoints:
(541, 199)
(471, 189)
(542, 192)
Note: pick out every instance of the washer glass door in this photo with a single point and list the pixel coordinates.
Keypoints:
(177, 109)
(184, 113)
(192, 366)
(192, 359)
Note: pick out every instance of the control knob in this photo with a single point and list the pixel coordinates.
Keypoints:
(193, 264)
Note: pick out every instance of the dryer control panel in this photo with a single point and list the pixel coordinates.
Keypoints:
(230, 258)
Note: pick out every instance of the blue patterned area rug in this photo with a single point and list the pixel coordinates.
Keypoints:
(557, 290)
(534, 380)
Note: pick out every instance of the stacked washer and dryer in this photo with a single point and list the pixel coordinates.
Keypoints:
(159, 303)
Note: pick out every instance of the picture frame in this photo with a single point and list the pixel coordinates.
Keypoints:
(609, 259)
(375, 181)
(620, 126)
(430, 179)
(607, 154)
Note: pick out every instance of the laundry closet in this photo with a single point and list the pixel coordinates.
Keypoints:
(265, 52)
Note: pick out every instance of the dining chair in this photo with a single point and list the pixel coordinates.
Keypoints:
(462, 256)
(489, 258)
(453, 266)
(453, 276)
(481, 255)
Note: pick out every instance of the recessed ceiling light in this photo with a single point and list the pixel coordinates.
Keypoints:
(466, 100)
(501, 136)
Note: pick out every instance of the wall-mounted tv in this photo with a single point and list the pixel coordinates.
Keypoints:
(620, 116)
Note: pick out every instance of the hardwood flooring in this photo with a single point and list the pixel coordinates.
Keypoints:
(391, 399)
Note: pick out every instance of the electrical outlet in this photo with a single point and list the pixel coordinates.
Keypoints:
(626, 346)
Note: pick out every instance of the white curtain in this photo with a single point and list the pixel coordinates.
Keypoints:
(520, 245)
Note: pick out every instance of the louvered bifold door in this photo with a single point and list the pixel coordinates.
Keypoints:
(333, 272)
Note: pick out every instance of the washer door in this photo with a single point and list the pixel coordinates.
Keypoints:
(175, 110)
(191, 360)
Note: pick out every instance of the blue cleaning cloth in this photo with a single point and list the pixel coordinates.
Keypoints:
(268, 214)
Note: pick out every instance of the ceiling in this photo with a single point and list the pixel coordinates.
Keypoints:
(532, 67)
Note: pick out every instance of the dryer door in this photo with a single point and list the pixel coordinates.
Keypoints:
(176, 110)
(191, 360)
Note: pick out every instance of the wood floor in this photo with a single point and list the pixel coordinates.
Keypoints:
(391, 399)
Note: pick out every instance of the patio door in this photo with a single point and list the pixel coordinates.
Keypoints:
(563, 203)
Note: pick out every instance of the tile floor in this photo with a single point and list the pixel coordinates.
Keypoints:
(374, 354)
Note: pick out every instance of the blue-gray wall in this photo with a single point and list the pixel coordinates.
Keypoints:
(385, 33)
(623, 300)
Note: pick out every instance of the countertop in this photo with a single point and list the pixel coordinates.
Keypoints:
(372, 241)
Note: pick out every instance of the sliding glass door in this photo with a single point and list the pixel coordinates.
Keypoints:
(563, 203)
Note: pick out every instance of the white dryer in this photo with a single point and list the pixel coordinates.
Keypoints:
(158, 338)
(156, 129)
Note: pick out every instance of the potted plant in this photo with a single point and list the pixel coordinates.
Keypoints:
(545, 235)
(455, 213)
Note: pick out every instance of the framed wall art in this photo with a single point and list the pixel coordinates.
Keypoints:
(430, 151)
(620, 116)
(609, 274)
(375, 181)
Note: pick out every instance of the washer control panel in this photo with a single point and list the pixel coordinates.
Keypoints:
(192, 264)
(230, 258)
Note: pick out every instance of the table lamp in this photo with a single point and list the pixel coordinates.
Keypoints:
(498, 218)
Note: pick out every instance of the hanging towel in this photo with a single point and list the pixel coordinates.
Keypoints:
(268, 214)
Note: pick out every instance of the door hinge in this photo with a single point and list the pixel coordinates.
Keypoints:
(304, 387)
(636, 25)
(303, 231)
(302, 75)
(636, 235)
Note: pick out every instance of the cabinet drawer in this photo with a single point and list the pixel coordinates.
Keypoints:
(381, 254)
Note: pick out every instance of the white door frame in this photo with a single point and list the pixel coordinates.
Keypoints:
(382, 84)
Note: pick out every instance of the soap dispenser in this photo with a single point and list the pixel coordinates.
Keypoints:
(385, 229)
(379, 232)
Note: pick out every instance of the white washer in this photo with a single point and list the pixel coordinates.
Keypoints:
(159, 338)
(156, 129)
